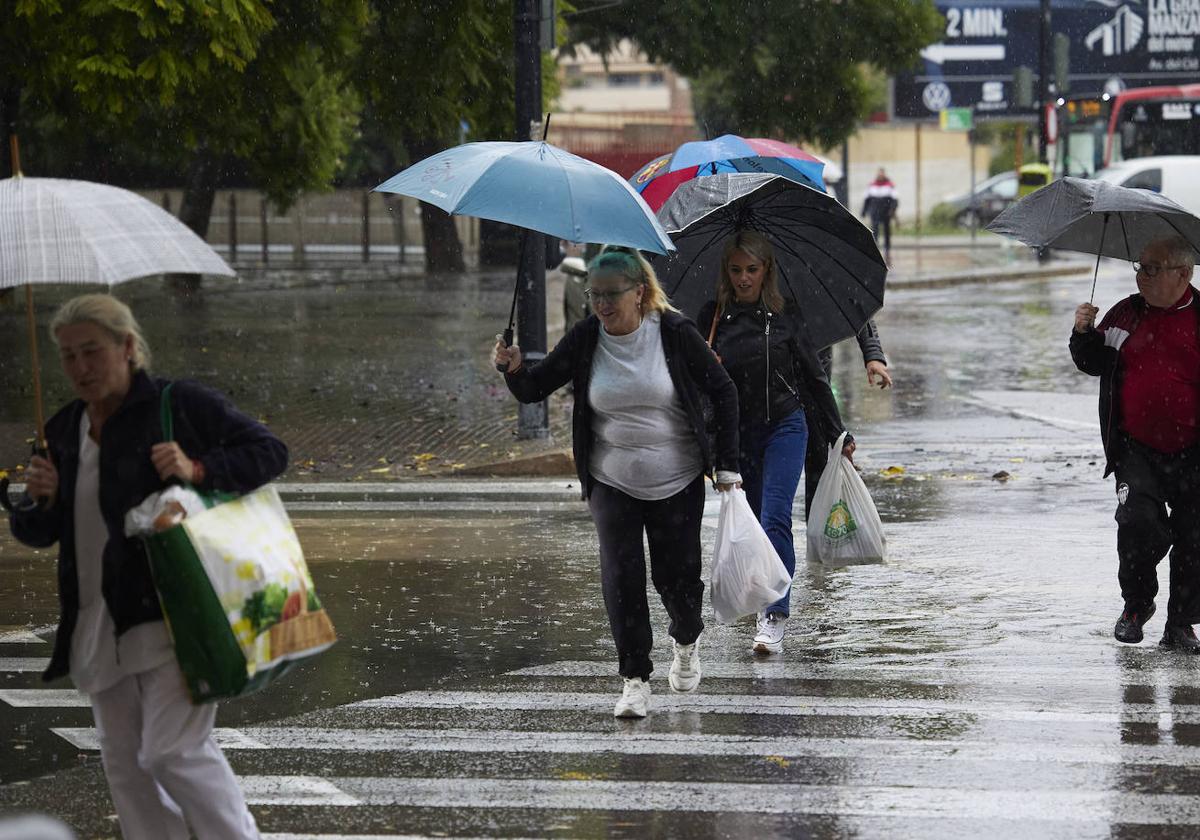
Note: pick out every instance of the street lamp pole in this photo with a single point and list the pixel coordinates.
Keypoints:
(533, 420)
(1043, 96)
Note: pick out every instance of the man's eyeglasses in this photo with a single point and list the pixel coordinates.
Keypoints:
(606, 297)
(1152, 270)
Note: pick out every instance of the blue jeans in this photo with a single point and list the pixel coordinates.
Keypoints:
(771, 463)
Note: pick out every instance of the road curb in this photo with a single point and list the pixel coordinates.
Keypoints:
(988, 275)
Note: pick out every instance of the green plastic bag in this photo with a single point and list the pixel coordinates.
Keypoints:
(236, 593)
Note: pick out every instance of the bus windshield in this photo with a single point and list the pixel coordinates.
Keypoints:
(1158, 127)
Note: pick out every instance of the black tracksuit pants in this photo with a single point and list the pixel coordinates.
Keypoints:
(672, 528)
(1158, 510)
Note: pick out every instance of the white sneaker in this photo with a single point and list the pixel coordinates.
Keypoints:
(635, 699)
(771, 629)
(685, 667)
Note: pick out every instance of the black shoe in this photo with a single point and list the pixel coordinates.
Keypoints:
(1181, 637)
(1129, 625)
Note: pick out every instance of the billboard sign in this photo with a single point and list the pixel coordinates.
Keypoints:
(1114, 44)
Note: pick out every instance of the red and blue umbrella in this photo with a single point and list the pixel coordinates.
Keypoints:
(659, 178)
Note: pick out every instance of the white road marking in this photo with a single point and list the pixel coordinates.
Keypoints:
(789, 705)
(295, 790)
(681, 744)
(950, 674)
(45, 698)
(20, 637)
(1100, 807)
(23, 664)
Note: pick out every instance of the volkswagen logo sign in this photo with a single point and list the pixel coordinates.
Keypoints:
(936, 96)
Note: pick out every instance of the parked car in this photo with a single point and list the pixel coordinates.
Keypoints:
(987, 202)
(1175, 176)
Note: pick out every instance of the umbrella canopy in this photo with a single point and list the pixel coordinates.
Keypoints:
(827, 260)
(659, 178)
(62, 231)
(1095, 217)
(534, 185)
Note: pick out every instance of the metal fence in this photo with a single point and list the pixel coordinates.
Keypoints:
(341, 226)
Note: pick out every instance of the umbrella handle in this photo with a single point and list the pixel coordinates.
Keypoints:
(508, 339)
(5, 501)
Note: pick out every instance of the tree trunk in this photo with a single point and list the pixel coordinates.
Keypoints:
(10, 104)
(498, 244)
(443, 250)
(195, 211)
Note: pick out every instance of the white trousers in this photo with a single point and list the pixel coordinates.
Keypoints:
(162, 764)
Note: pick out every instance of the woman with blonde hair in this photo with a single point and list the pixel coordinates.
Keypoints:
(106, 454)
(782, 391)
(639, 369)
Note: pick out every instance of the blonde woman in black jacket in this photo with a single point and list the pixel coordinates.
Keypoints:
(782, 393)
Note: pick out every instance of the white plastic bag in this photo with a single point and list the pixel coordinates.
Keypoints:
(141, 519)
(843, 524)
(747, 574)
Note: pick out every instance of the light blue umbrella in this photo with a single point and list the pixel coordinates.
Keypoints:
(534, 185)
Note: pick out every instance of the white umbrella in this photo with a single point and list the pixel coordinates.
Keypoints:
(62, 231)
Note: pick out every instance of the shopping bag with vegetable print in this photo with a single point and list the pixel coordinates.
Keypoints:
(236, 593)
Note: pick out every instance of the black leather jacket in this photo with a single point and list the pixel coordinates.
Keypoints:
(773, 365)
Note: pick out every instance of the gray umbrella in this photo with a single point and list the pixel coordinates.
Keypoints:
(828, 262)
(1096, 217)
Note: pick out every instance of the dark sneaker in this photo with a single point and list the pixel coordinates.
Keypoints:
(1181, 637)
(1129, 625)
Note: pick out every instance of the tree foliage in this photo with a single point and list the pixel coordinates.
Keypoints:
(797, 69)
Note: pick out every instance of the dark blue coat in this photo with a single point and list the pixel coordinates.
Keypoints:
(238, 453)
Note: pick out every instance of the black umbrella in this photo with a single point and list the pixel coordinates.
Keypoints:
(1096, 217)
(827, 259)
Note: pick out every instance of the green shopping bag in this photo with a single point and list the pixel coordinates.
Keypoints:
(236, 593)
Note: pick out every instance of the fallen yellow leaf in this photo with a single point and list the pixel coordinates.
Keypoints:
(423, 457)
(779, 760)
(888, 472)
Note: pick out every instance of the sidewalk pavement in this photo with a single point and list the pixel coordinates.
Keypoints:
(388, 378)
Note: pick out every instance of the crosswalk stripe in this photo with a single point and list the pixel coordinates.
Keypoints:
(680, 744)
(461, 506)
(23, 664)
(293, 836)
(63, 698)
(789, 705)
(1108, 674)
(20, 637)
(1076, 807)
(295, 790)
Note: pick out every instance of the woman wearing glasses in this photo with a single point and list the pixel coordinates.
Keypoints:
(639, 368)
(782, 390)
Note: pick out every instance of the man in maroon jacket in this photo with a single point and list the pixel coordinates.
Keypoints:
(1146, 352)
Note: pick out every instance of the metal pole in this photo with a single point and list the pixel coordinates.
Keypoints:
(366, 227)
(971, 152)
(917, 188)
(262, 226)
(533, 421)
(1043, 76)
(233, 233)
(844, 185)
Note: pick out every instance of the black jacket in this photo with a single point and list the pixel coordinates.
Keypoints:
(1097, 352)
(693, 368)
(238, 455)
(773, 365)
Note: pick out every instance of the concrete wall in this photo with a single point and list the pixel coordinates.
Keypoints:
(944, 164)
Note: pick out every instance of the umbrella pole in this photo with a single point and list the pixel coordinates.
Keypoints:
(1099, 251)
(40, 437)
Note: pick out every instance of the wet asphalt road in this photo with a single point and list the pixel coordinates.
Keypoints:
(969, 687)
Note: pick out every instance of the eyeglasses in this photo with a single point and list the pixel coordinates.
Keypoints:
(1152, 270)
(606, 297)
